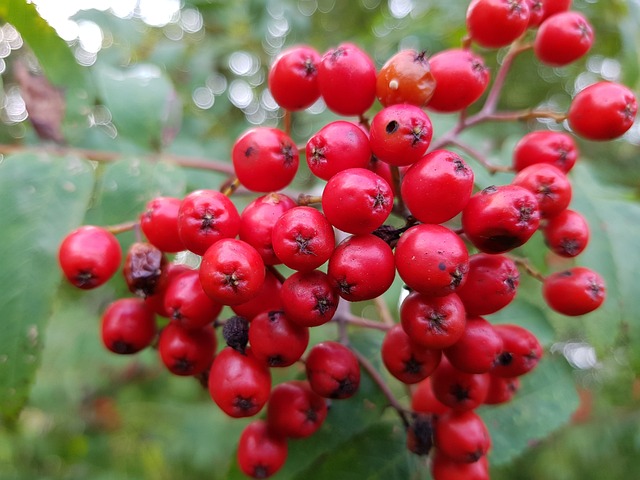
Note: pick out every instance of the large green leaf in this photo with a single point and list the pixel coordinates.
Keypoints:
(544, 403)
(41, 199)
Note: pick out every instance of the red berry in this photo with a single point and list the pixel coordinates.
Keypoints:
(444, 468)
(267, 298)
(260, 454)
(347, 80)
(293, 78)
(159, 223)
(405, 78)
(206, 216)
(424, 401)
(575, 291)
(437, 187)
(602, 111)
(459, 390)
(265, 159)
(186, 352)
(477, 350)
(333, 370)
(501, 389)
(521, 351)
(536, 12)
(187, 303)
(550, 186)
(563, 38)
(404, 359)
(156, 301)
(275, 340)
(231, 272)
(551, 7)
(128, 326)
(542, 146)
(239, 383)
(567, 233)
(462, 436)
(461, 79)
(310, 298)
(497, 23)
(89, 256)
(294, 410)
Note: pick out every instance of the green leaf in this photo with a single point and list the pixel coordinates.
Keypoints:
(41, 199)
(143, 102)
(544, 403)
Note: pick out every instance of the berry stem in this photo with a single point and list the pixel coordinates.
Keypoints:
(306, 200)
(526, 265)
(482, 159)
(383, 311)
(122, 227)
(366, 323)
(230, 186)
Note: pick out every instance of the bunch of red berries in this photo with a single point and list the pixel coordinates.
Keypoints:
(452, 249)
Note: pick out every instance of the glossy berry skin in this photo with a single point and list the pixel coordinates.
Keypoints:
(424, 401)
(521, 351)
(405, 78)
(549, 184)
(303, 239)
(128, 326)
(187, 303)
(459, 390)
(257, 221)
(265, 159)
(404, 359)
(260, 453)
(551, 7)
(186, 352)
(231, 272)
(433, 322)
(462, 436)
(432, 259)
(543, 146)
(567, 233)
(400, 134)
(239, 383)
(267, 298)
(156, 301)
(335, 147)
(437, 187)
(602, 111)
(461, 79)
(492, 284)
(477, 350)
(497, 23)
(275, 340)
(333, 370)
(536, 12)
(89, 256)
(563, 38)
(499, 219)
(444, 468)
(310, 298)
(294, 410)
(361, 267)
(159, 223)
(293, 78)
(347, 80)
(575, 291)
(357, 200)
(206, 216)
(501, 389)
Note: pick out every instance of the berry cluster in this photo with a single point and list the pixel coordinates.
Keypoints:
(451, 249)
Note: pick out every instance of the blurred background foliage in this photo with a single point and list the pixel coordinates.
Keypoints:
(141, 83)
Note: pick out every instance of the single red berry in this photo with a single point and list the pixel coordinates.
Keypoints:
(400, 134)
(461, 79)
(128, 326)
(437, 187)
(567, 233)
(477, 350)
(294, 410)
(575, 291)
(563, 38)
(239, 383)
(333, 370)
(462, 436)
(404, 359)
(257, 221)
(265, 159)
(347, 80)
(206, 216)
(231, 272)
(424, 401)
(362, 267)
(433, 322)
(444, 468)
(303, 239)
(267, 298)
(187, 303)
(549, 184)
(432, 259)
(159, 223)
(521, 351)
(602, 111)
(492, 283)
(156, 301)
(89, 256)
(143, 268)
(260, 454)
(551, 7)
(405, 78)
(499, 219)
(357, 200)
(335, 147)
(497, 23)
(310, 298)
(186, 352)
(275, 340)
(459, 390)
(501, 389)
(293, 78)
(543, 146)
(536, 12)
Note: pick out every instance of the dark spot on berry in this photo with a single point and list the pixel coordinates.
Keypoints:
(435, 322)
(323, 305)
(565, 273)
(459, 167)
(122, 347)
(474, 456)
(412, 366)
(346, 388)
(457, 276)
(208, 221)
(417, 134)
(595, 289)
(570, 246)
(511, 281)
(345, 287)
(392, 127)
(276, 361)
(460, 393)
(501, 243)
(310, 68)
(261, 471)
(84, 279)
(489, 190)
(249, 151)
(421, 429)
(236, 333)
(442, 266)
(525, 212)
(287, 153)
(182, 365)
(231, 280)
(244, 404)
(275, 315)
(505, 358)
(379, 200)
(303, 245)
(421, 57)
(311, 415)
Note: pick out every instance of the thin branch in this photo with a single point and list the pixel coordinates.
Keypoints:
(122, 227)
(480, 158)
(366, 323)
(526, 265)
(384, 312)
